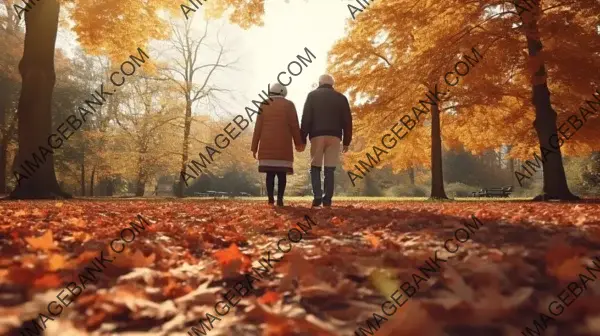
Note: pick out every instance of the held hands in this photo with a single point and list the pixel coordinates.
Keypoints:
(300, 148)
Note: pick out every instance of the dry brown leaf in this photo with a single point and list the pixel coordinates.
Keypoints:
(77, 222)
(566, 270)
(372, 239)
(133, 259)
(456, 283)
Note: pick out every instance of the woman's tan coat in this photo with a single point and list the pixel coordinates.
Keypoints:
(275, 128)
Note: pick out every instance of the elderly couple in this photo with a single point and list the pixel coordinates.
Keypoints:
(326, 120)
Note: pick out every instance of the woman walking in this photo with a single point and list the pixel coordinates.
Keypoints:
(275, 129)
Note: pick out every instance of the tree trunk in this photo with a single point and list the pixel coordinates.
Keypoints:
(4, 154)
(34, 110)
(499, 163)
(411, 175)
(187, 125)
(92, 181)
(110, 188)
(140, 188)
(437, 178)
(2, 169)
(510, 164)
(555, 180)
(4, 99)
(83, 178)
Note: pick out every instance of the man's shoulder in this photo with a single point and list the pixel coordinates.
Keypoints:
(340, 95)
(327, 91)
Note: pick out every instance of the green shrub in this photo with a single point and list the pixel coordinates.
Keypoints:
(407, 190)
(371, 188)
(458, 189)
(534, 188)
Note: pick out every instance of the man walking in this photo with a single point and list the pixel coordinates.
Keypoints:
(327, 120)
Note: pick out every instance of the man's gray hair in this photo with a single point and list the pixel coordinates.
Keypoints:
(326, 79)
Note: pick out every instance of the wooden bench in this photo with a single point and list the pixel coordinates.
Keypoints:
(209, 193)
(493, 192)
(218, 194)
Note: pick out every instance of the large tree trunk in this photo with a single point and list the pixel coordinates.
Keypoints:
(34, 110)
(555, 180)
(437, 178)
(187, 125)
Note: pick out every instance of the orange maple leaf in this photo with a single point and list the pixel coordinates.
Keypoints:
(229, 255)
(56, 262)
(76, 221)
(232, 260)
(567, 269)
(269, 297)
(48, 281)
(132, 260)
(45, 242)
(374, 240)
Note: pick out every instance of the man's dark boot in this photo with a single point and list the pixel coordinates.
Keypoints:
(315, 179)
(329, 184)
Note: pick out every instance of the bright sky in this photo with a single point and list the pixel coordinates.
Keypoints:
(266, 51)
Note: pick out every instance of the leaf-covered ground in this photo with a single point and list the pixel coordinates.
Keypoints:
(339, 273)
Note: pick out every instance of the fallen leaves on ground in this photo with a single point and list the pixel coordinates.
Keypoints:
(329, 283)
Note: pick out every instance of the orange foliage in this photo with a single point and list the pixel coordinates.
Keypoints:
(117, 27)
(396, 49)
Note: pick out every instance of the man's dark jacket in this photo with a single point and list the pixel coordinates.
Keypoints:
(327, 112)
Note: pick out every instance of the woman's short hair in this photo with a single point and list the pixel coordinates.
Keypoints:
(277, 89)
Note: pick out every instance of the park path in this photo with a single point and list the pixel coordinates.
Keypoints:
(390, 268)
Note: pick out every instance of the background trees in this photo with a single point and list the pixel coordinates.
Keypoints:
(191, 73)
(94, 23)
(390, 54)
(11, 40)
(393, 54)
